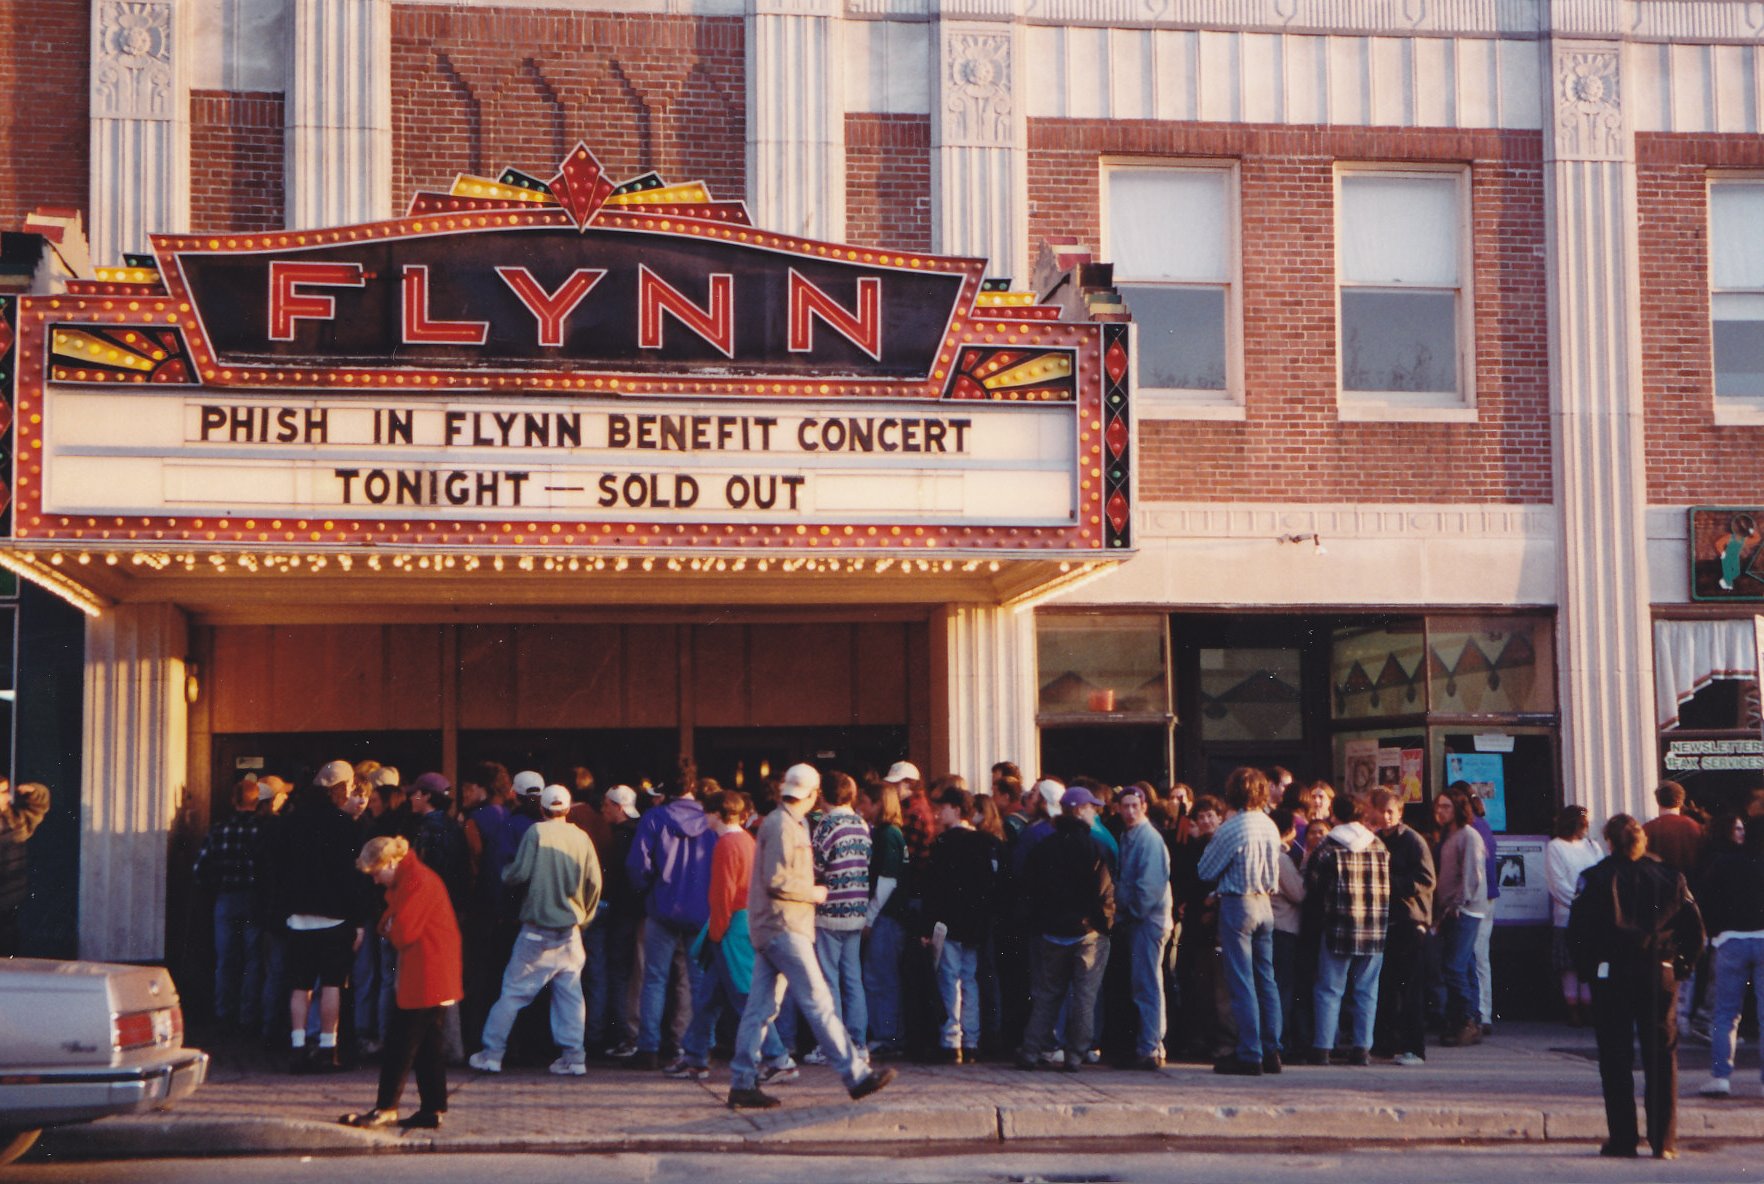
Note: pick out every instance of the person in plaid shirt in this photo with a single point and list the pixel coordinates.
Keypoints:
(1350, 874)
(227, 866)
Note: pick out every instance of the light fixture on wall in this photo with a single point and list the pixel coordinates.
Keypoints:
(1309, 536)
(192, 683)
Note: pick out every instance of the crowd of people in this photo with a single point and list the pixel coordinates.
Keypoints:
(824, 920)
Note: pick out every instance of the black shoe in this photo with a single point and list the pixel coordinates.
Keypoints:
(887, 1052)
(1614, 1150)
(753, 1099)
(1070, 1064)
(1232, 1067)
(1359, 1056)
(422, 1120)
(644, 1060)
(1027, 1064)
(370, 1120)
(872, 1082)
(948, 1056)
(1314, 1056)
(298, 1060)
(1150, 1063)
(1271, 1063)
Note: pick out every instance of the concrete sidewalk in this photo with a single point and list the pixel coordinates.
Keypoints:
(1526, 1083)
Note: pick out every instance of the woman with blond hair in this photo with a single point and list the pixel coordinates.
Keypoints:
(420, 925)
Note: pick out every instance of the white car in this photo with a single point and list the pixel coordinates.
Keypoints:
(83, 1040)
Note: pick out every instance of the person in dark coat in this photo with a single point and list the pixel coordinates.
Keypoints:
(1632, 931)
(21, 813)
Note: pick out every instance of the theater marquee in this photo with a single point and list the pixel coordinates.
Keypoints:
(566, 364)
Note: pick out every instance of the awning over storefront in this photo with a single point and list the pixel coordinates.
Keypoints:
(545, 393)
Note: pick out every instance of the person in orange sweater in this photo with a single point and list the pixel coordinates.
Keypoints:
(723, 947)
(420, 925)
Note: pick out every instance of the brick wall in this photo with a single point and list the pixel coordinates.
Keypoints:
(1689, 458)
(888, 181)
(44, 107)
(1292, 444)
(237, 165)
(479, 89)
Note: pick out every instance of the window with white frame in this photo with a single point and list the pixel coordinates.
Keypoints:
(1400, 264)
(1736, 286)
(1170, 236)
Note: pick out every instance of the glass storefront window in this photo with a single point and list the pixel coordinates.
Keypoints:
(1098, 665)
(1251, 694)
(1377, 671)
(1494, 665)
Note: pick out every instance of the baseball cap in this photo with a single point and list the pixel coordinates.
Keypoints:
(903, 771)
(335, 773)
(625, 798)
(1051, 792)
(433, 784)
(800, 781)
(554, 799)
(1078, 796)
(527, 782)
(269, 787)
(384, 775)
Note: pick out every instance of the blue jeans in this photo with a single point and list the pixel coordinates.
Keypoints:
(364, 984)
(716, 990)
(660, 940)
(958, 982)
(1146, 942)
(238, 970)
(840, 952)
(788, 962)
(882, 982)
(1335, 973)
(1736, 961)
(1457, 966)
(1246, 943)
(542, 956)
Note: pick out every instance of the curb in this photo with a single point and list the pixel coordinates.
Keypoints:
(906, 1131)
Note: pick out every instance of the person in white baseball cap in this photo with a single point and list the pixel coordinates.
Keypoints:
(781, 901)
(902, 773)
(557, 863)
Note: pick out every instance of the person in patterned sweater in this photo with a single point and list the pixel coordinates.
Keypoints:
(842, 862)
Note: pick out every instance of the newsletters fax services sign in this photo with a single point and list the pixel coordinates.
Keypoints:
(568, 362)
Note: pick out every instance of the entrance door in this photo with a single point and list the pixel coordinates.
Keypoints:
(742, 758)
(1251, 691)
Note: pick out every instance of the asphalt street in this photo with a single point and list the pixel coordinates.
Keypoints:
(1563, 1164)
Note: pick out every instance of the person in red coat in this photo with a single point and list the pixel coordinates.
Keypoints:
(420, 925)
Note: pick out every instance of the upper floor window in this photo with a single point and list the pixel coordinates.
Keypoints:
(1401, 256)
(1736, 283)
(1171, 238)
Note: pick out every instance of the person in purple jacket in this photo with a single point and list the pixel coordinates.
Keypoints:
(670, 870)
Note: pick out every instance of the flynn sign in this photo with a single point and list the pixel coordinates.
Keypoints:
(567, 362)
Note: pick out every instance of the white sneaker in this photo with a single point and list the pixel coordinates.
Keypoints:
(565, 1067)
(779, 1074)
(1408, 1058)
(1717, 1087)
(485, 1061)
(1093, 1057)
(815, 1057)
(1054, 1056)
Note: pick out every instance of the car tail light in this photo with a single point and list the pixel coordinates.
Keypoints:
(144, 1029)
(131, 1030)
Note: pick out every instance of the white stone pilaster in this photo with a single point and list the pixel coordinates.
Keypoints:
(1604, 646)
(134, 761)
(796, 117)
(979, 144)
(339, 113)
(140, 116)
(984, 690)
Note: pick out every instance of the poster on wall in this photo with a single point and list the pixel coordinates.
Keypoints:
(1525, 895)
(1390, 768)
(1411, 774)
(1727, 553)
(1486, 773)
(1359, 761)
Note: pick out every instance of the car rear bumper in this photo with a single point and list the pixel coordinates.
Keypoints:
(46, 1097)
